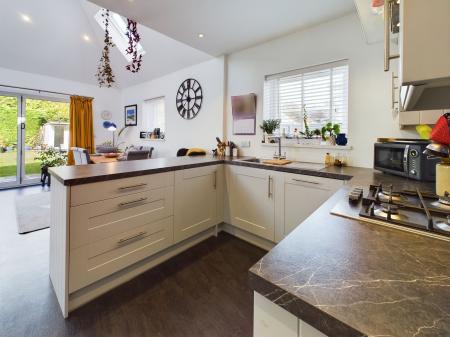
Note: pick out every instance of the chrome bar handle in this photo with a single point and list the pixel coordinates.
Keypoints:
(387, 34)
(306, 181)
(269, 187)
(128, 203)
(125, 240)
(215, 180)
(132, 186)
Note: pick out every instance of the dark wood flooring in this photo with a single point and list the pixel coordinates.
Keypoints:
(201, 292)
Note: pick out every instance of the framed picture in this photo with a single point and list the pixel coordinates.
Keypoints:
(244, 114)
(131, 115)
(143, 134)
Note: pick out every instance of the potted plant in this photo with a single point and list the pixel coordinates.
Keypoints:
(50, 157)
(329, 132)
(269, 126)
(309, 135)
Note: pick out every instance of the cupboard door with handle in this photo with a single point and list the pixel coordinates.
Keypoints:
(303, 195)
(195, 206)
(251, 194)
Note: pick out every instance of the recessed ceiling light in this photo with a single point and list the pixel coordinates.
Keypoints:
(86, 37)
(201, 36)
(25, 17)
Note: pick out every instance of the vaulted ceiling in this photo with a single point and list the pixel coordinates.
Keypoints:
(52, 43)
(48, 37)
(228, 25)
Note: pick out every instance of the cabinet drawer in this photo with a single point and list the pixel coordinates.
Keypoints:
(97, 260)
(313, 182)
(83, 194)
(95, 221)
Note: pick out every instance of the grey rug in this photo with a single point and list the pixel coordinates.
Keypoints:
(33, 212)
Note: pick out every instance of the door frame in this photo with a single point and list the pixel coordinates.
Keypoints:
(21, 180)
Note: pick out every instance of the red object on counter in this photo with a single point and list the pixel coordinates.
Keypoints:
(441, 133)
(377, 3)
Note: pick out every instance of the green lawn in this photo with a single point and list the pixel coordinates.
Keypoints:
(8, 164)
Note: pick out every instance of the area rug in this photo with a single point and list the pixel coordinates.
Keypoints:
(33, 212)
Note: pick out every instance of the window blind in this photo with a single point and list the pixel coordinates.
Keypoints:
(321, 91)
(153, 114)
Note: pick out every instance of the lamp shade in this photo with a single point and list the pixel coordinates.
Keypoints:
(109, 125)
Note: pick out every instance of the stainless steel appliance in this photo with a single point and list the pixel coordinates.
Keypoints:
(404, 157)
(409, 210)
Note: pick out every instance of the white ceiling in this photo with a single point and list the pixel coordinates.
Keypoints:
(52, 43)
(228, 25)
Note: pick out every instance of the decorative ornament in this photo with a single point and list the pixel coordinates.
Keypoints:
(189, 98)
(133, 41)
(105, 75)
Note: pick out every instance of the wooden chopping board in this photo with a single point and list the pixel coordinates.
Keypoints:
(277, 161)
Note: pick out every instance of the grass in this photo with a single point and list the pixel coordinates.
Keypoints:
(8, 164)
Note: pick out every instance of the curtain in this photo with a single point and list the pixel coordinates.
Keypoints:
(81, 126)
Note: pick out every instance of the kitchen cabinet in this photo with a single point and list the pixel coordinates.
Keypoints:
(198, 200)
(302, 195)
(271, 320)
(419, 117)
(424, 40)
(251, 200)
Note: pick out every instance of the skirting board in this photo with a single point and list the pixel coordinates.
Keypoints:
(246, 236)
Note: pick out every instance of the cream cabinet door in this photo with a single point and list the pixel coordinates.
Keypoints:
(303, 195)
(251, 200)
(195, 206)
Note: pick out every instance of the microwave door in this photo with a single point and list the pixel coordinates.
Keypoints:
(392, 159)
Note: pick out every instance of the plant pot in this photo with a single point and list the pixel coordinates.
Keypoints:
(341, 140)
(331, 140)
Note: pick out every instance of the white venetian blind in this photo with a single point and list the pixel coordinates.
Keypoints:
(322, 91)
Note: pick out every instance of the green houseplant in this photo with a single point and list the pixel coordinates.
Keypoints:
(269, 126)
(308, 134)
(330, 131)
(51, 158)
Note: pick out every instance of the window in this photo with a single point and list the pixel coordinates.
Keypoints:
(321, 91)
(118, 31)
(154, 115)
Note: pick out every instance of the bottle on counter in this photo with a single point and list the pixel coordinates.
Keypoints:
(328, 159)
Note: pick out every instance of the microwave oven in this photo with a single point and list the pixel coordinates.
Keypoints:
(404, 157)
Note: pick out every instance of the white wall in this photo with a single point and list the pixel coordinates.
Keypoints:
(370, 113)
(104, 98)
(198, 132)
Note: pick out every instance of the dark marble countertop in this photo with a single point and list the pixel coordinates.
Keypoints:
(83, 174)
(352, 278)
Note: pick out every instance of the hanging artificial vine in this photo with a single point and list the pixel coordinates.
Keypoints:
(105, 76)
(133, 41)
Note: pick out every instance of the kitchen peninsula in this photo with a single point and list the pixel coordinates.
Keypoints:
(331, 275)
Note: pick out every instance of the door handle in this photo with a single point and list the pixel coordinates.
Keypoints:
(269, 187)
(133, 237)
(215, 180)
(306, 181)
(128, 203)
(132, 186)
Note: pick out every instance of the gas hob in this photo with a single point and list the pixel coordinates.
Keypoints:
(411, 210)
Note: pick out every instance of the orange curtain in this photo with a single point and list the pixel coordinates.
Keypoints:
(81, 126)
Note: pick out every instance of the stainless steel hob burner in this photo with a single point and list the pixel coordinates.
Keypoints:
(415, 209)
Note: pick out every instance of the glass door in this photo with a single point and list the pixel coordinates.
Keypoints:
(10, 107)
(28, 126)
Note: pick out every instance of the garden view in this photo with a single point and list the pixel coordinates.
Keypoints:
(42, 118)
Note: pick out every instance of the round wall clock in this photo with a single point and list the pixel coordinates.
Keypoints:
(189, 98)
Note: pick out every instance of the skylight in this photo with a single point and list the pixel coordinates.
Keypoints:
(118, 31)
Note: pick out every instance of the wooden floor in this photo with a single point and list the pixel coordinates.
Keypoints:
(201, 292)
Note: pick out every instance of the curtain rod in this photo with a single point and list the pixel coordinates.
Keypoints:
(39, 90)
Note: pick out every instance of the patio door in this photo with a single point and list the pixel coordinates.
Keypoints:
(29, 125)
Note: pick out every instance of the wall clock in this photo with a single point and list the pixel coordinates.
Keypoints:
(189, 98)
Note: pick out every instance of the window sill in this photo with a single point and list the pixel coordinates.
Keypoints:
(310, 146)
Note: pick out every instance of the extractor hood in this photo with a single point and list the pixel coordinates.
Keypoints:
(429, 95)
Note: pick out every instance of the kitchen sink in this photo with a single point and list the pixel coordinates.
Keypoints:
(294, 164)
